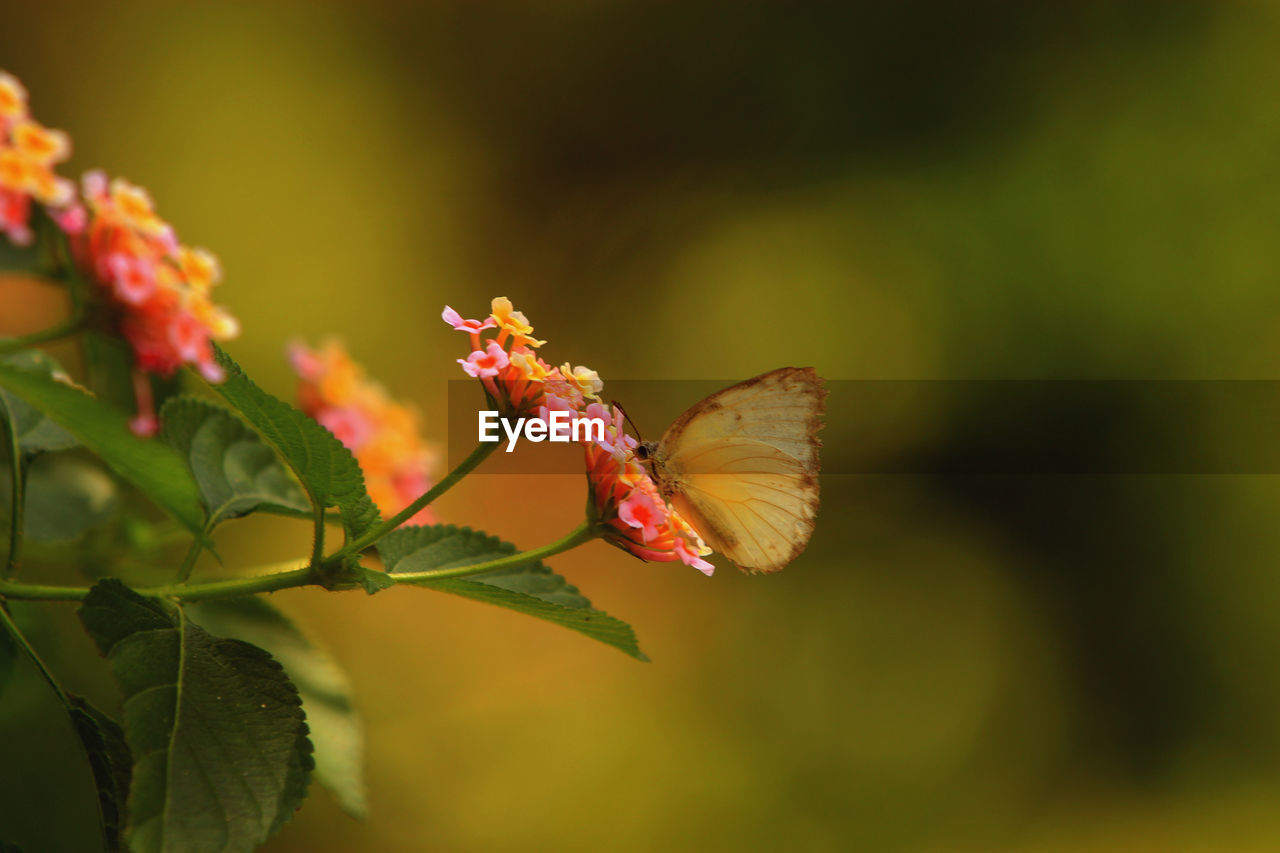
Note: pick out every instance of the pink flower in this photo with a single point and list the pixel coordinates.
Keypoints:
(616, 441)
(642, 512)
(189, 336)
(453, 318)
(304, 362)
(472, 327)
(144, 425)
(133, 277)
(690, 557)
(72, 220)
(14, 211)
(484, 364)
(351, 426)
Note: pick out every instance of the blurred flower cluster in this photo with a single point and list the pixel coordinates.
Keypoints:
(382, 434)
(155, 290)
(624, 497)
(28, 153)
(158, 289)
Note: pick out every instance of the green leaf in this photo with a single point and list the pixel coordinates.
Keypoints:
(36, 432)
(153, 467)
(236, 472)
(66, 496)
(336, 729)
(221, 755)
(531, 588)
(110, 762)
(108, 361)
(375, 581)
(326, 469)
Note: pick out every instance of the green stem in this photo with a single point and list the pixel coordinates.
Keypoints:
(288, 578)
(228, 588)
(317, 538)
(21, 640)
(581, 534)
(17, 480)
(465, 467)
(233, 587)
(189, 562)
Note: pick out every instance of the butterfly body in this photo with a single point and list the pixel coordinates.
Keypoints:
(742, 467)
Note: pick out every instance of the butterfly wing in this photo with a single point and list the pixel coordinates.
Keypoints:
(742, 466)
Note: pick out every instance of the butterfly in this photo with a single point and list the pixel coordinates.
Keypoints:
(742, 467)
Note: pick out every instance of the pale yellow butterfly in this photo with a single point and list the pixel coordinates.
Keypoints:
(742, 467)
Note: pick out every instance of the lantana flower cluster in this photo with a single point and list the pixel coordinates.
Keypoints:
(28, 153)
(158, 288)
(382, 434)
(629, 503)
(624, 498)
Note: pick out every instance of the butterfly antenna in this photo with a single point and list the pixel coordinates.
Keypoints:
(627, 417)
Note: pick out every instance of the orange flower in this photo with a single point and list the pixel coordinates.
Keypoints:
(382, 434)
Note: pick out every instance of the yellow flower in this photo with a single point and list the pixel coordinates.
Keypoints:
(584, 378)
(13, 99)
(513, 322)
(133, 204)
(39, 143)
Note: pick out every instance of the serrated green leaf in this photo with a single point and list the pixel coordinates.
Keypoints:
(373, 580)
(326, 469)
(336, 729)
(36, 432)
(110, 762)
(234, 469)
(531, 588)
(221, 755)
(156, 469)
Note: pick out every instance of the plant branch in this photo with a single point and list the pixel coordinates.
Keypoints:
(17, 480)
(288, 578)
(465, 467)
(317, 538)
(189, 562)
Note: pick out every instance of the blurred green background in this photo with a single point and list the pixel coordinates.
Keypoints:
(706, 191)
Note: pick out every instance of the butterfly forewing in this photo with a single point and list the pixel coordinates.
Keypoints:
(742, 466)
